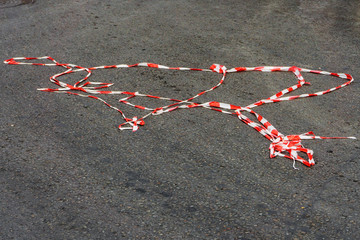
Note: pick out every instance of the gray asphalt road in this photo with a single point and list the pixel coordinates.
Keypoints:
(67, 172)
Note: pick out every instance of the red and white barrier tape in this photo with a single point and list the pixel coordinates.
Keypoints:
(285, 146)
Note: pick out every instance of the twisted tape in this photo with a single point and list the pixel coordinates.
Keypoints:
(281, 145)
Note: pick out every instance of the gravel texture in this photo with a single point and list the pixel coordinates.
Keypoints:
(67, 172)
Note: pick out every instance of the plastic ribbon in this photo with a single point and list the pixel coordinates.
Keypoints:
(284, 146)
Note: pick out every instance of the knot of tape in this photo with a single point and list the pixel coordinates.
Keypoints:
(134, 123)
(292, 145)
(218, 68)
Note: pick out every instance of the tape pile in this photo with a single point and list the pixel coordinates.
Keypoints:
(281, 145)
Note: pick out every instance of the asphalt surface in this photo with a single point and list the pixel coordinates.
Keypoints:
(67, 172)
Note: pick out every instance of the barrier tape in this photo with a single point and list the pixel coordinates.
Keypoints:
(281, 145)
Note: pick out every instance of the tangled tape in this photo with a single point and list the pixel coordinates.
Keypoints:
(285, 146)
